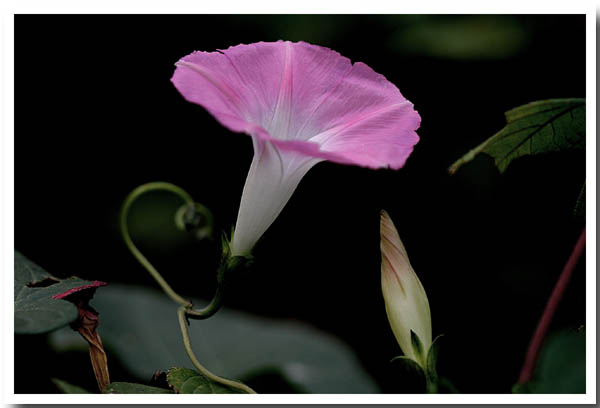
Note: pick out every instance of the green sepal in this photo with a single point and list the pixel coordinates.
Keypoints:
(226, 245)
(431, 370)
(410, 366)
(232, 264)
(418, 349)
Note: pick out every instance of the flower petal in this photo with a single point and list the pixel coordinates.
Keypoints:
(306, 98)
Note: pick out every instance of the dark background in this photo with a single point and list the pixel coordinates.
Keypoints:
(96, 115)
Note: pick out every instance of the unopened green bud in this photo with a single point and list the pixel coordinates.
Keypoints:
(405, 299)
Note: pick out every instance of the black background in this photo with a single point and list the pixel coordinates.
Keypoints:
(96, 115)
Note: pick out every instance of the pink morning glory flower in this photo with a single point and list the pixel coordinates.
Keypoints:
(302, 104)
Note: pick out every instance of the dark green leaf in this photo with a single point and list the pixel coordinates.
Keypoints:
(68, 388)
(538, 127)
(186, 381)
(35, 309)
(132, 388)
(561, 366)
(140, 327)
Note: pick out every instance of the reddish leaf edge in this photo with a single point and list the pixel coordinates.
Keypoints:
(94, 284)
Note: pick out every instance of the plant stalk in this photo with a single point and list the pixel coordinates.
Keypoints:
(542, 328)
(183, 324)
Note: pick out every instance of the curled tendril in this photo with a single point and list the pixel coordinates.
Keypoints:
(190, 216)
(191, 213)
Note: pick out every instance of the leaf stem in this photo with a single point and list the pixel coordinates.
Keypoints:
(144, 188)
(544, 323)
(183, 324)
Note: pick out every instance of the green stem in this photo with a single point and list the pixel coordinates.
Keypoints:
(217, 301)
(432, 385)
(212, 308)
(183, 324)
(144, 188)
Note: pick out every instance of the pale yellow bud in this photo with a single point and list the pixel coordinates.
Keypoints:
(405, 299)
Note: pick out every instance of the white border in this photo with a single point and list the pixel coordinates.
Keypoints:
(7, 203)
(350, 399)
(306, 6)
(590, 205)
(298, 7)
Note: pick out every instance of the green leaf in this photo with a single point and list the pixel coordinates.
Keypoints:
(538, 127)
(178, 375)
(140, 327)
(560, 368)
(186, 381)
(35, 309)
(133, 388)
(68, 388)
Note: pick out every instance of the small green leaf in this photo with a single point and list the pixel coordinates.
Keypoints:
(537, 127)
(186, 381)
(178, 375)
(35, 309)
(132, 388)
(68, 388)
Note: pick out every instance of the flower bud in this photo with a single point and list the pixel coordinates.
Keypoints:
(406, 303)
